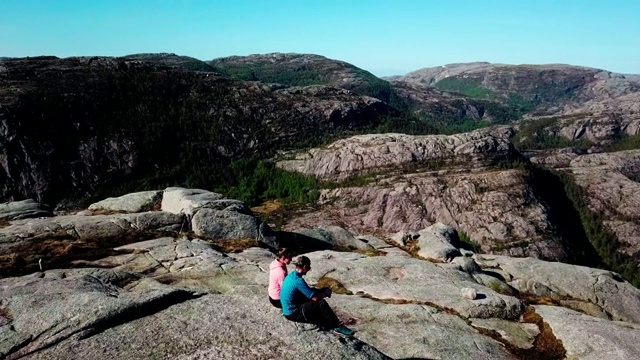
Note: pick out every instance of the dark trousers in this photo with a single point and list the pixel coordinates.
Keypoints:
(275, 303)
(315, 312)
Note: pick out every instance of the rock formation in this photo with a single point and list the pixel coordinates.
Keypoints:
(190, 297)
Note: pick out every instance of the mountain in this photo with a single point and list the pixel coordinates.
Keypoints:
(68, 126)
(301, 70)
(577, 103)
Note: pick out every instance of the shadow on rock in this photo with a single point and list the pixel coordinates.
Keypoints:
(301, 243)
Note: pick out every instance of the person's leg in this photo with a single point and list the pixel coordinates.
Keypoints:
(275, 303)
(319, 313)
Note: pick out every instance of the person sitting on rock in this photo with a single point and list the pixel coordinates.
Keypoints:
(277, 273)
(301, 303)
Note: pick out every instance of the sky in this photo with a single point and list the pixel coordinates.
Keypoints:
(389, 37)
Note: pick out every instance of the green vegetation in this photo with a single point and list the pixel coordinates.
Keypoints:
(252, 181)
(520, 104)
(538, 135)
(604, 242)
(467, 243)
(259, 181)
(470, 87)
(624, 142)
(364, 82)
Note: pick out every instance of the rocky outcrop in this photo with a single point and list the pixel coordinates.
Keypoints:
(449, 179)
(35, 243)
(434, 242)
(215, 217)
(604, 339)
(188, 298)
(23, 209)
(606, 290)
(376, 152)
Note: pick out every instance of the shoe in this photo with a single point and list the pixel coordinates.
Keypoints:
(343, 330)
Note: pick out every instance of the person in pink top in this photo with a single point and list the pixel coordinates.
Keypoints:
(277, 273)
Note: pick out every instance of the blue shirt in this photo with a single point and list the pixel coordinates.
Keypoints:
(294, 292)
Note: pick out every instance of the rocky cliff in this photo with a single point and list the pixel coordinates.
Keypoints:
(609, 182)
(474, 182)
(78, 123)
(201, 294)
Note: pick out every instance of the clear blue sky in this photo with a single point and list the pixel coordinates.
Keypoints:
(384, 37)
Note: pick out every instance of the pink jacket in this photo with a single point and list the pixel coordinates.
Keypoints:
(277, 273)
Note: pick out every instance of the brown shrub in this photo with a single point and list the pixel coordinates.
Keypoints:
(333, 284)
(235, 246)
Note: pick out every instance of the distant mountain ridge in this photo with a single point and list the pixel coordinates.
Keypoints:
(238, 97)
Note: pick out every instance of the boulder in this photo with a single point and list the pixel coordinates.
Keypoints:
(131, 203)
(231, 225)
(23, 209)
(188, 201)
(435, 242)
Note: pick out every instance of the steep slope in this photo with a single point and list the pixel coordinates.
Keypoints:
(68, 126)
(476, 182)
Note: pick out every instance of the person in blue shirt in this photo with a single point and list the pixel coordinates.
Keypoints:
(301, 303)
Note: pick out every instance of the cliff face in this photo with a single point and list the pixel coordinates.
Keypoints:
(77, 123)
(609, 182)
(410, 182)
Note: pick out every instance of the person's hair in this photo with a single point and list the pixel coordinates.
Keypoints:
(285, 253)
(302, 261)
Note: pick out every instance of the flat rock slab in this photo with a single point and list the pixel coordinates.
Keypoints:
(405, 279)
(23, 210)
(56, 305)
(213, 327)
(554, 279)
(102, 232)
(590, 338)
(415, 331)
(131, 203)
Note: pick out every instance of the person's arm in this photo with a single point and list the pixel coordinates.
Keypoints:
(321, 294)
(311, 293)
